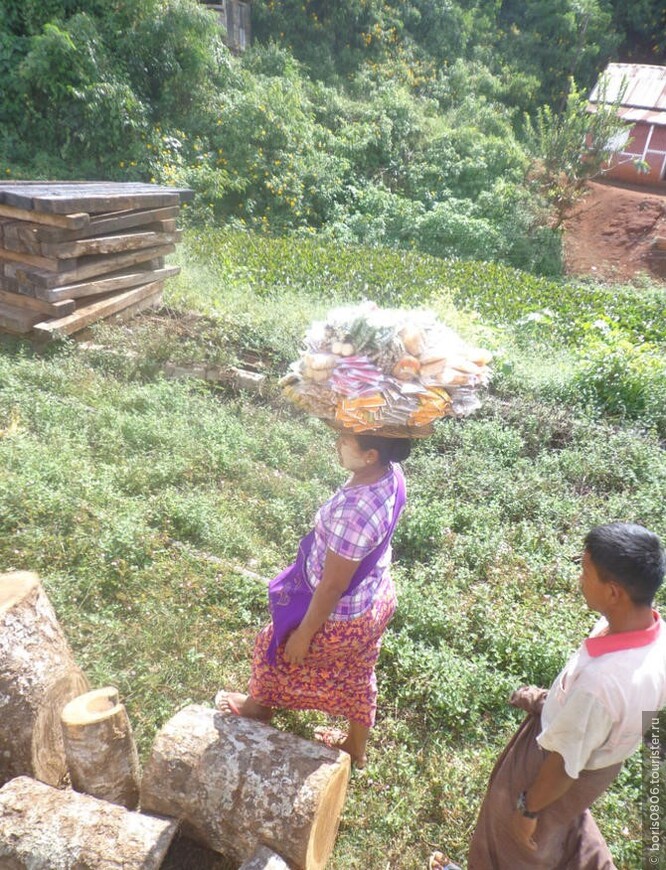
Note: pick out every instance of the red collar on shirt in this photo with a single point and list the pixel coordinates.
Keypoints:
(608, 643)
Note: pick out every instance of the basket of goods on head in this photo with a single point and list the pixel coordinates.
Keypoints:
(389, 371)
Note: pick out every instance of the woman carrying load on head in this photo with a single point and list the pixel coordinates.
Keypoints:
(325, 659)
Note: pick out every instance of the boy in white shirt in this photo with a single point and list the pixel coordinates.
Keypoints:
(572, 745)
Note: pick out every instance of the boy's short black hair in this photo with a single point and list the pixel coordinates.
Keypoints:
(630, 555)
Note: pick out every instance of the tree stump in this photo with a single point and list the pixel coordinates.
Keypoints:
(264, 859)
(38, 676)
(237, 784)
(99, 748)
(46, 828)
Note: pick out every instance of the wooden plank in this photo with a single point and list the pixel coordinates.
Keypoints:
(22, 236)
(112, 283)
(66, 221)
(11, 285)
(18, 246)
(102, 225)
(26, 303)
(48, 263)
(90, 267)
(9, 272)
(96, 311)
(96, 204)
(17, 320)
(152, 301)
(66, 197)
(128, 313)
(107, 244)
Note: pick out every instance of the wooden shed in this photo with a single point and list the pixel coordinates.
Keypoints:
(640, 157)
(236, 19)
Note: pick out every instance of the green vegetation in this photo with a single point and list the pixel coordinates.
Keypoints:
(381, 123)
(140, 501)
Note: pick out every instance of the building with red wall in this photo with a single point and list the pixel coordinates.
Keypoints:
(641, 89)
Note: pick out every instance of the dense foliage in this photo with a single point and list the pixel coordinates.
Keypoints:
(370, 121)
(162, 494)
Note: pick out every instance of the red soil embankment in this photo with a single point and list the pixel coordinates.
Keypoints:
(612, 231)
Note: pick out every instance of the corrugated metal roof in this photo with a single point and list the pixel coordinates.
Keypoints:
(644, 115)
(641, 86)
(635, 115)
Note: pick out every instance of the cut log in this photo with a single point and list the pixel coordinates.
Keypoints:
(99, 748)
(38, 676)
(45, 828)
(84, 258)
(237, 784)
(264, 859)
(153, 301)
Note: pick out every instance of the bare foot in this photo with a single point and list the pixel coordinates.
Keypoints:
(439, 861)
(335, 738)
(359, 759)
(238, 704)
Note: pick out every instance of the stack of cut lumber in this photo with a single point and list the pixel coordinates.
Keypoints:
(72, 253)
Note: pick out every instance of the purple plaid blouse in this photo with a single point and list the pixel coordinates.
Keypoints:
(352, 523)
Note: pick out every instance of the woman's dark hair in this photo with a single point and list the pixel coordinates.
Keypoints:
(631, 555)
(389, 449)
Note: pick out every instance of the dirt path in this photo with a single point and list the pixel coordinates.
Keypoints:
(611, 233)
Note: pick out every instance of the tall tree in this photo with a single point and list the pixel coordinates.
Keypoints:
(571, 148)
(557, 40)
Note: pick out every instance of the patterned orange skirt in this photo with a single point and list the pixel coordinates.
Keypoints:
(338, 675)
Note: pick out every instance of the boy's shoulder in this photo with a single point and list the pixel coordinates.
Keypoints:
(620, 667)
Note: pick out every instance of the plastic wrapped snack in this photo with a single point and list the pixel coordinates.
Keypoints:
(396, 371)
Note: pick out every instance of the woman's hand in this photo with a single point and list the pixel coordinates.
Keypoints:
(336, 577)
(297, 646)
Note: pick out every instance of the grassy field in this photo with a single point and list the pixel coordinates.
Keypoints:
(141, 501)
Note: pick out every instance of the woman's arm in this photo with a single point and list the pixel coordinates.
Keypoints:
(335, 580)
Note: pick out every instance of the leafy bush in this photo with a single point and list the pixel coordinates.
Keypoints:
(76, 105)
(323, 270)
(177, 63)
(621, 379)
(439, 688)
